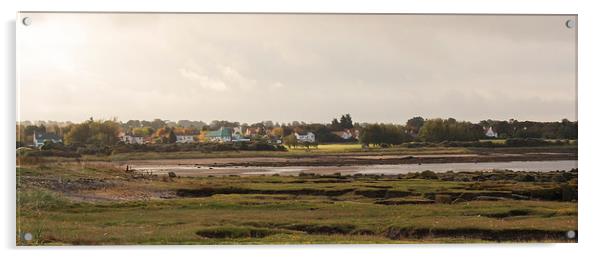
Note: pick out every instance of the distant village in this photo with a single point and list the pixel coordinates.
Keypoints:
(341, 130)
(233, 134)
(223, 134)
(184, 131)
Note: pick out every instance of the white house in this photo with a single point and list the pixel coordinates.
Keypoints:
(131, 139)
(308, 137)
(347, 134)
(40, 138)
(184, 138)
(490, 133)
(237, 130)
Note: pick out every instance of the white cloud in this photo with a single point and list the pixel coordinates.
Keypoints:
(204, 80)
(233, 77)
(376, 67)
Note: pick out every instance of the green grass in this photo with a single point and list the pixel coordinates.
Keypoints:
(274, 210)
(260, 219)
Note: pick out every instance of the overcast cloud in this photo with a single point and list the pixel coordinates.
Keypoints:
(253, 67)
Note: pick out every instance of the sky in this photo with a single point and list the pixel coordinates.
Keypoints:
(292, 67)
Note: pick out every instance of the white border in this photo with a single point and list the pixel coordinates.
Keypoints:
(589, 102)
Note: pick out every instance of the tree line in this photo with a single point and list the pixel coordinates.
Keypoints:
(416, 129)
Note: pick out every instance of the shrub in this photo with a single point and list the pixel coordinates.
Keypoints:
(427, 174)
(51, 153)
(526, 142)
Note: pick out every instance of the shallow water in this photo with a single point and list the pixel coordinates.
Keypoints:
(535, 166)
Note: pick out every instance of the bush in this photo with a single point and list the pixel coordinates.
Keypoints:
(94, 150)
(51, 153)
(527, 142)
(417, 144)
(468, 144)
(427, 174)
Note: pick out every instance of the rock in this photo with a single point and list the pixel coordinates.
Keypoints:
(171, 174)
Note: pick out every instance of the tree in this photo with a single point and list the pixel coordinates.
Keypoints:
(161, 132)
(278, 132)
(93, 132)
(133, 124)
(142, 131)
(268, 124)
(414, 124)
(157, 123)
(383, 134)
(438, 130)
(217, 124)
(202, 136)
(346, 122)
(335, 125)
(290, 140)
(30, 129)
(172, 138)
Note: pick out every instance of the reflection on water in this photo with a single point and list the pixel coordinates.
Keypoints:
(539, 166)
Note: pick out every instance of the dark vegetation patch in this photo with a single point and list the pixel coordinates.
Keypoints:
(510, 213)
(237, 232)
(318, 181)
(499, 235)
(309, 228)
(400, 232)
(323, 229)
(77, 150)
(205, 192)
(487, 190)
(501, 175)
(404, 201)
(448, 197)
(382, 193)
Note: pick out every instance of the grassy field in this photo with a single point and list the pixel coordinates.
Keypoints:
(76, 204)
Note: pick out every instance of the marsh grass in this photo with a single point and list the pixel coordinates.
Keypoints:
(280, 210)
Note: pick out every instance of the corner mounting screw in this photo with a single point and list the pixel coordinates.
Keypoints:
(26, 21)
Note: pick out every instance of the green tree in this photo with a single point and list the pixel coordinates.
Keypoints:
(346, 122)
(172, 138)
(335, 125)
(438, 130)
(414, 124)
(93, 132)
(157, 123)
(290, 140)
(383, 134)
